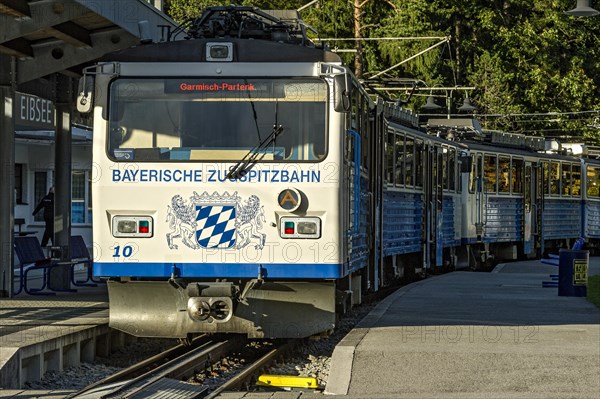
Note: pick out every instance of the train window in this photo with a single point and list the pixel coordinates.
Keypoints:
(364, 132)
(444, 168)
(554, 178)
(566, 178)
(476, 171)
(439, 173)
(349, 149)
(419, 148)
(528, 188)
(364, 141)
(576, 181)
(593, 181)
(365, 113)
(546, 177)
(399, 172)
(409, 157)
(177, 119)
(517, 175)
(489, 173)
(389, 154)
(355, 109)
(452, 169)
(503, 174)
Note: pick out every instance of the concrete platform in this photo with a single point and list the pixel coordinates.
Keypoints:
(474, 335)
(460, 335)
(43, 333)
(31, 394)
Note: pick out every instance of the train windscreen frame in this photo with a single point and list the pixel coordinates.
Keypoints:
(193, 119)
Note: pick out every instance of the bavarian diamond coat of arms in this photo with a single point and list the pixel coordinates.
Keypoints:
(215, 221)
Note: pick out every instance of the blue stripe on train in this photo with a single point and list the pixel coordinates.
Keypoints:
(217, 270)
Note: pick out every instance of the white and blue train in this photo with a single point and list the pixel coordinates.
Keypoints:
(249, 184)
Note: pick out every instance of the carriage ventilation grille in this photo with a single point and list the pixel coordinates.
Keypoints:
(518, 140)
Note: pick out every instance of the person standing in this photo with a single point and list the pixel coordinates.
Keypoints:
(47, 202)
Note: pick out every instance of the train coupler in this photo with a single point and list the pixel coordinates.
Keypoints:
(210, 302)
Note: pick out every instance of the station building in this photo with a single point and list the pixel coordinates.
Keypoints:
(44, 142)
(35, 164)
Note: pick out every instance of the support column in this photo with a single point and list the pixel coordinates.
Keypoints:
(7, 179)
(60, 276)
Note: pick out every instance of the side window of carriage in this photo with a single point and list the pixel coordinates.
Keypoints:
(476, 182)
(399, 172)
(490, 173)
(565, 173)
(449, 168)
(389, 156)
(452, 168)
(419, 148)
(593, 181)
(516, 173)
(554, 178)
(364, 132)
(351, 124)
(503, 174)
(359, 123)
(546, 177)
(409, 162)
(576, 180)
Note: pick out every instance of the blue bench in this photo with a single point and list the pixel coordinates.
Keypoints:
(31, 258)
(81, 255)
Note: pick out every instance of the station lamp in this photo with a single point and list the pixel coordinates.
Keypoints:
(583, 9)
(467, 106)
(430, 105)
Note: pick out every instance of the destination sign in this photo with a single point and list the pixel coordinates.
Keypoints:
(224, 88)
(216, 86)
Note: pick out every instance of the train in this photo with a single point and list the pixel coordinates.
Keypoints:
(248, 183)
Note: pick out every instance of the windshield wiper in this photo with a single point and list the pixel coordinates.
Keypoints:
(242, 167)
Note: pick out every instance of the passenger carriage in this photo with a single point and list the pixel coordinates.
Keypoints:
(521, 200)
(590, 209)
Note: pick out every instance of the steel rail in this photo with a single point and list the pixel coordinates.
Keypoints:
(178, 367)
(238, 380)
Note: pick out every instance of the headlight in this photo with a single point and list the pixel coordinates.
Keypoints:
(132, 226)
(310, 228)
(219, 51)
(300, 227)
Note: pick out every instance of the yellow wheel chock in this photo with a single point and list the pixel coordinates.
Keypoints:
(287, 381)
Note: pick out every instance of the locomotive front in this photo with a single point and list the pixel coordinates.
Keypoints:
(216, 202)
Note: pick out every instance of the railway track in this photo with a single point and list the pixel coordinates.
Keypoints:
(165, 373)
(143, 380)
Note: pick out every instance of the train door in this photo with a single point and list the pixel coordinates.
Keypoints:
(480, 197)
(375, 165)
(539, 183)
(376, 193)
(528, 209)
(432, 206)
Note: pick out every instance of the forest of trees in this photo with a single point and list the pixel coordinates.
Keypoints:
(534, 69)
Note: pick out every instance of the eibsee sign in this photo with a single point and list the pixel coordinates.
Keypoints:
(34, 112)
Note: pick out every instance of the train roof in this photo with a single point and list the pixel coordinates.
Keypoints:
(254, 35)
(490, 147)
(469, 132)
(244, 50)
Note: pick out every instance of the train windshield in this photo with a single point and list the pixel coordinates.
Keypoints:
(179, 119)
